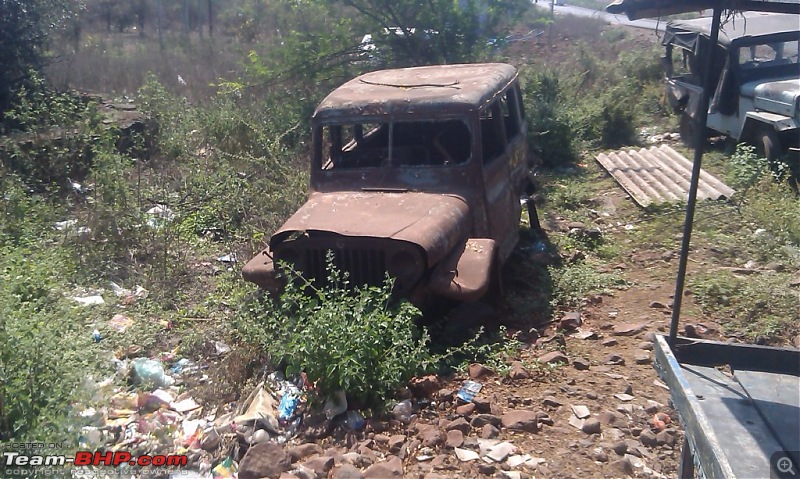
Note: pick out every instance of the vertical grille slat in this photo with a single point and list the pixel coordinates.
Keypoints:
(364, 260)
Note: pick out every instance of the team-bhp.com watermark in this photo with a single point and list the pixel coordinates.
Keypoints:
(35, 460)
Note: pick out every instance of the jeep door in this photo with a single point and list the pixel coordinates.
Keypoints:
(502, 144)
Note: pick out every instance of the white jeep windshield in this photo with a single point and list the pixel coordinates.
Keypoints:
(767, 55)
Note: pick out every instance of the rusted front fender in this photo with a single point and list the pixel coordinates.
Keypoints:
(261, 271)
(466, 274)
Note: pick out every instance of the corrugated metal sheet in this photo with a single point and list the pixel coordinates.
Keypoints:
(659, 175)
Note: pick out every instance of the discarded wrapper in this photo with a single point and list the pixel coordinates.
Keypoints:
(469, 390)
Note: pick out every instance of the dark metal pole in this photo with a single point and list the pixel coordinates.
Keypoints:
(700, 141)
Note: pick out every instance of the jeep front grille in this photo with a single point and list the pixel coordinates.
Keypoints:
(363, 266)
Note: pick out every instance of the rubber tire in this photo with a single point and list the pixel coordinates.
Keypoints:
(768, 145)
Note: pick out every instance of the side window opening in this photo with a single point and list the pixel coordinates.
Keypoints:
(510, 109)
(493, 135)
(398, 144)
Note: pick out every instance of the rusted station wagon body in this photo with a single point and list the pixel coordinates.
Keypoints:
(417, 172)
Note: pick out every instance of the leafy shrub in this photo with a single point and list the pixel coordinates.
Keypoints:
(760, 306)
(573, 282)
(551, 132)
(55, 133)
(356, 340)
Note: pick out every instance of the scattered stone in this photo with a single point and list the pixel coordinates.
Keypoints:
(544, 418)
(648, 438)
(623, 466)
(425, 386)
(465, 409)
(591, 426)
(479, 371)
(455, 438)
(481, 419)
(303, 451)
(664, 438)
(348, 471)
(658, 383)
(620, 447)
(642, 357)
(610, 418)
(657, 305)
(396, 443)
(430, 435)
(391, 468)
(609, 342)
(652, 406)
(489, 431)
(264, 460)
(553, 357)
(465, 455)
(459, 424)
(580, 364)
(570, 321)
(645, 346)
(600, 455)
(445, 395)
(482, 404)
(624, 397)
(615, 360)
(628, 329)
(518, 371)
(576, 423)
(487, 469)
(628, 389)
(320, 465)
(796, 341)
(520, 421)
(581, 412)
(499, 452)
(587, 334)
(591, 395)
(550, 401)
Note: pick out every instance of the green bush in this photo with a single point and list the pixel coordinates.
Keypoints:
(761, 306)
(352, 339)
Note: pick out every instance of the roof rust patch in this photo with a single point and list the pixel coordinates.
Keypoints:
(458, 88)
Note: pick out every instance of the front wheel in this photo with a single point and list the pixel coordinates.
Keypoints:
(768, 145)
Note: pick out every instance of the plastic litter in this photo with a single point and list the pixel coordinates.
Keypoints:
(288, 404)
(120, 323)
(227, 258)
(468, 390)
(261, 409)
(335, 405)
(354, 420)
(151, 370)
(96, 336)
(403, 411)
(221, 348)
(89, 300)
(225, 469)
(159, 215)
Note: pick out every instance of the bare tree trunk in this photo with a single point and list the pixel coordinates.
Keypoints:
(186, 17)
(140, 14)
(210, 20)
(160, 33)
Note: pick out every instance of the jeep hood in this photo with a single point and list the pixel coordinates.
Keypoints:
(435, 222)
(774, 96)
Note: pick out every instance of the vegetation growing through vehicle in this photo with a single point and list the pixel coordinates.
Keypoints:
(228, 163)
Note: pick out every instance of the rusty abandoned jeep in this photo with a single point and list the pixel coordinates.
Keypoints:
(756, 79)
(415, 172)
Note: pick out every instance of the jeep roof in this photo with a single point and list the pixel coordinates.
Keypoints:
(418, 90)
(735, 32)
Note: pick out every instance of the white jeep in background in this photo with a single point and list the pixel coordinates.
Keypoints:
(756, 77)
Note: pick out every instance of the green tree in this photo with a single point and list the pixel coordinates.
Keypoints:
(26, 26)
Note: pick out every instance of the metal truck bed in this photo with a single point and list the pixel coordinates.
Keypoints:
(739, 406)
